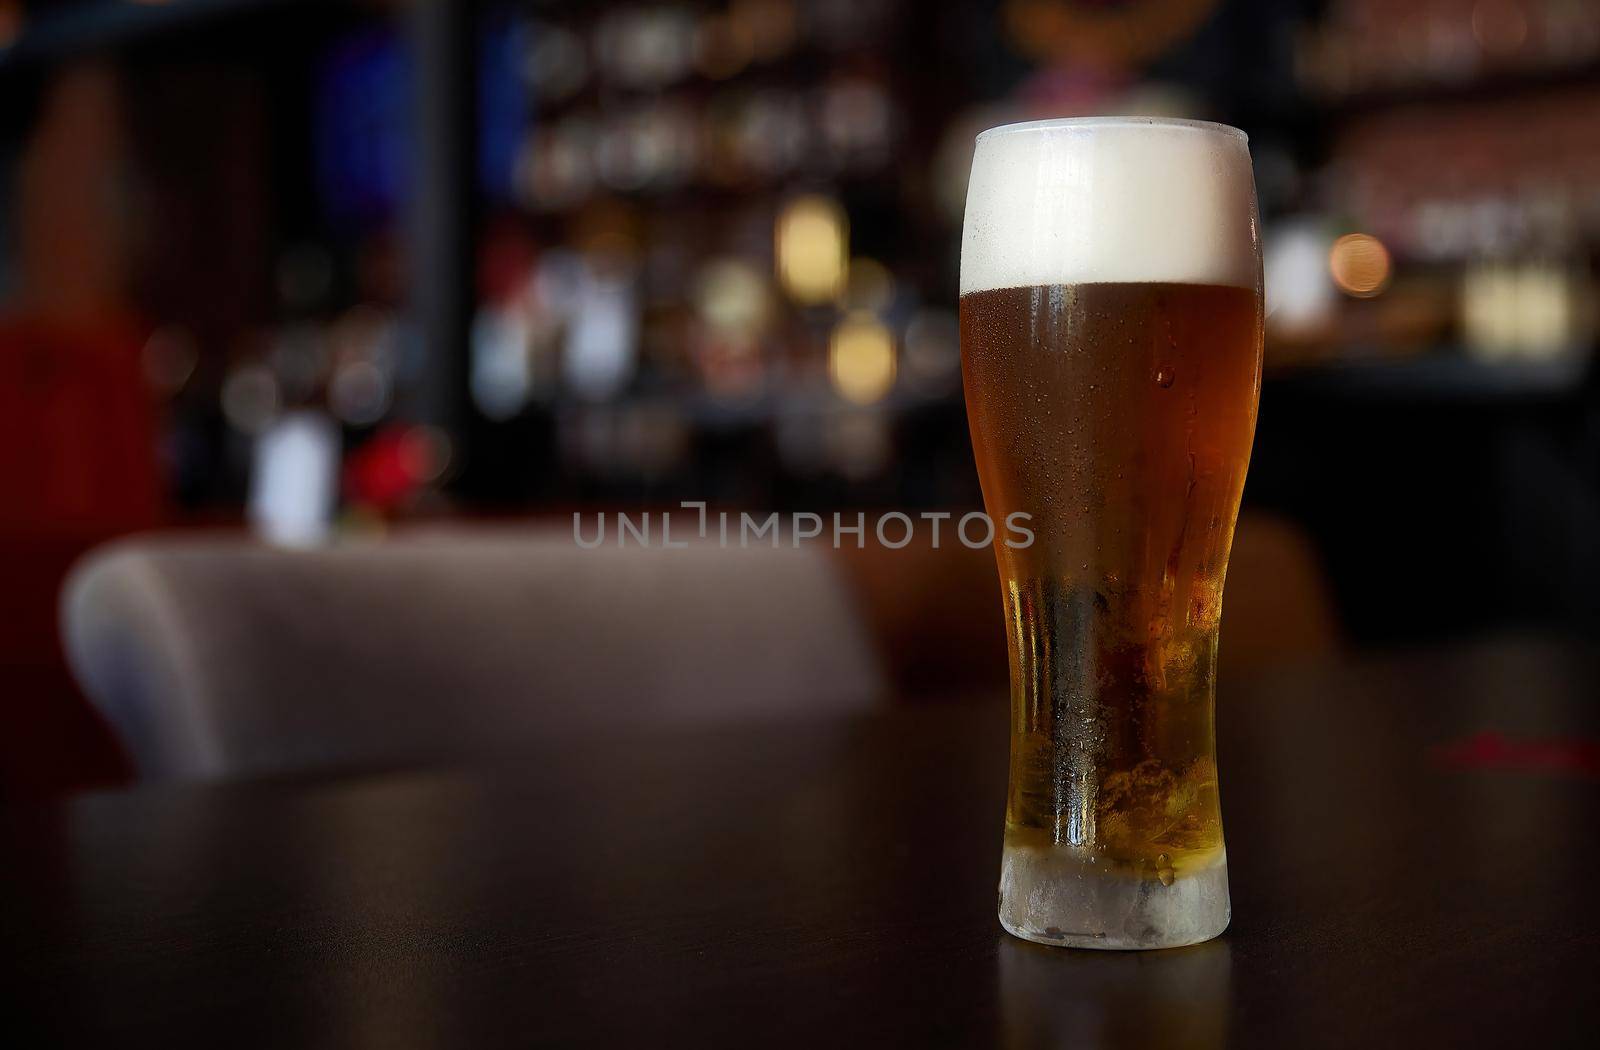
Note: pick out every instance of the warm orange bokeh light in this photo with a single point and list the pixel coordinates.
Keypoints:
(1359, 265)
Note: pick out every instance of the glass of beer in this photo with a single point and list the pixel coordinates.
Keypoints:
(1111, 328)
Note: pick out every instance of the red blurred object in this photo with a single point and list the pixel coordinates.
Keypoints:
(77, 441)
(387, 472)
(77, 467)
(1490, 750)
(504, 263)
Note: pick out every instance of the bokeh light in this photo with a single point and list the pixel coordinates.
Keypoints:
(1359, 265)
(359, 393)
(250, 398)
(861, 360)
(732, 296)
(426, 453)
(169, 359)
(812, 247)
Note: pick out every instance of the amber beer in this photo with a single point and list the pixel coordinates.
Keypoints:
(1111, 351)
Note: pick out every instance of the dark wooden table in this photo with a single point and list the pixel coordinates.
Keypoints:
(1398, 877)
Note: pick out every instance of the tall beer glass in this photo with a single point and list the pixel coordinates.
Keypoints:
(1111, 353)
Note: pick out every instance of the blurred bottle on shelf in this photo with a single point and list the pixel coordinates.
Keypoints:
(1362, 47)
(1533, 304)
(294, 482)
(1529, 293)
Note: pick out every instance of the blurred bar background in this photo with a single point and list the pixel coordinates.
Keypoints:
(325, 268)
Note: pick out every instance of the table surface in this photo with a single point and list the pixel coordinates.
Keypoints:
(1412, 845)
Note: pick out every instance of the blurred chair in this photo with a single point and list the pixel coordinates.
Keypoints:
(1278, 605)
(223, 658)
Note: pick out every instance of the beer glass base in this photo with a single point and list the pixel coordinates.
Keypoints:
(1062, 896)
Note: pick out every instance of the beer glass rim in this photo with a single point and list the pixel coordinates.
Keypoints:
(1091, 123)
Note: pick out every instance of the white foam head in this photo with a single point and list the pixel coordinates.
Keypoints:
(1128, 199)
